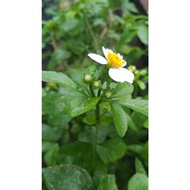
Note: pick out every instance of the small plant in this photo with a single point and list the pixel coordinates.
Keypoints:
(96, 128)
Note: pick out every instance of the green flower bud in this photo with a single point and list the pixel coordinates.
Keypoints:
(97, 84)
(132, 68)
(88, 78)
(108, 94)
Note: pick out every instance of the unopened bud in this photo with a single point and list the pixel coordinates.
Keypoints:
(88, 78)
(97, 84)
(132, 68)
(108, 94)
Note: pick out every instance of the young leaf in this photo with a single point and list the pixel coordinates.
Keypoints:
(52, 134)
(119, 118)
(89, 119)
(51, 156)
(111, 150)
(108, 183)
(67, 177)
(122, 90)
(143, 34)
(138, 182)
(76, 107)
(141, 84)
(135, 104)
(139, 167)
(52, 76)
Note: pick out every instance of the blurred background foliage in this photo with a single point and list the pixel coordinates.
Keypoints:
(70, 30)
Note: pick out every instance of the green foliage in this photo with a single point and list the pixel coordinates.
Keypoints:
(51, 134)
(122, 91)
(91, 140)
(138, 182)
(137, 105)
(111, 150)
(108, 183)
(80, 106)
(119, 118)
(60, 78)
(67, 177)
(139, 167)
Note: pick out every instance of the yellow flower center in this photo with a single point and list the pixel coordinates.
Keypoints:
(114, 60)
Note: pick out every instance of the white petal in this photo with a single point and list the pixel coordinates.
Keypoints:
(105, 52)
(97, 58)
(125, 63)
(121, 75)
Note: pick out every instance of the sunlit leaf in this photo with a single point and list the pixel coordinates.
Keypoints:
(67, 177)
(119, 118)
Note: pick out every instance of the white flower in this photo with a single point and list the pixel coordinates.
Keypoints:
(115, 63)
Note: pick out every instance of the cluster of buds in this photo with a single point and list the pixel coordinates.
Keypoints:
(89, 79)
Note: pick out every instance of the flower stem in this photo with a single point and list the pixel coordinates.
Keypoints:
(91, 90)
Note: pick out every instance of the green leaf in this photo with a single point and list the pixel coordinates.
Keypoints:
(143, 34)
(77, 74)
(52, 155)
(135, 104)
(111, 150)
(46, 146)
(52, 134)
(119, 118)
(98, 176)
(131, 123)
(78, 106)
(67, 177)
(141, 84)
(131, 7)
(137, 148)
(122, 90)
(139, 167)
(144, 151)
(52, 105)
(58, 56)
(146, 124)
(89, 119)
(138, 182)
(105, 119)
(52, 76)
(108, 183)
(89, 134)
(138, 119)
(81, 154)
(126, 37)
(76, 149)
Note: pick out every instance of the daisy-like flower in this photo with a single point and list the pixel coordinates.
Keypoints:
(115, 62)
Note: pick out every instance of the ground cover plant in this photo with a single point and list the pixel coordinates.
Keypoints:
(94, 96)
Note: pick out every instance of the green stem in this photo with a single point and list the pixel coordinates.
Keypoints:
(91, 90)
(91, 32)
(99, 92)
